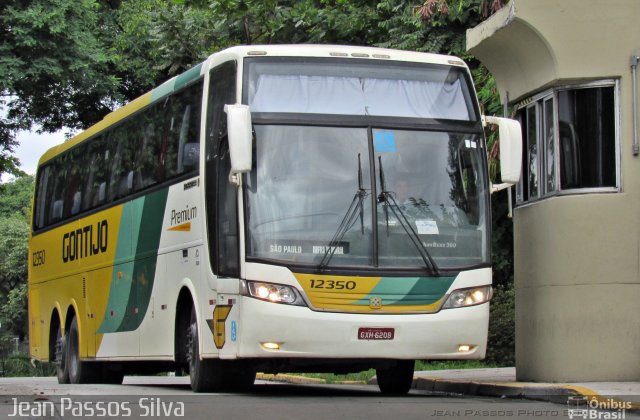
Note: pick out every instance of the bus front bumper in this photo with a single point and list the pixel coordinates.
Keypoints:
(270, 330)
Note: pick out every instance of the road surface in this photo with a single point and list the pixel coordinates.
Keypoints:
(164, 397)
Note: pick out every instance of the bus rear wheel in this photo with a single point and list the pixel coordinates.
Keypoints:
(397, 378)
(79, 372)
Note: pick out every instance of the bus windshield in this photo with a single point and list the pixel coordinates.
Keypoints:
(319, 189)
(360, 88)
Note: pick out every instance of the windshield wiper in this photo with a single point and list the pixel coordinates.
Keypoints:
(348, 220)
(390, 203)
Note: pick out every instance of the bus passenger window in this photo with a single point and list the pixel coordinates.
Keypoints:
(57, 191)
(184, 128)
(149, 165)
(40, 204)
(96, 184)
(122, 181)
(76, 178)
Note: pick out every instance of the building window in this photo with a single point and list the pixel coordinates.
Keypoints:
(570, 142)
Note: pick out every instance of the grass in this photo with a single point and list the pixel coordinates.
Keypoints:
(364, 377)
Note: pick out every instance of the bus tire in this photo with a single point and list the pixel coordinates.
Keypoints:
(60, 357)
(202, 372)
(397, 379)
(79, 372)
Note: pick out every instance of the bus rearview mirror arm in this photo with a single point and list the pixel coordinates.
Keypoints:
(510, 137)
(240, 140)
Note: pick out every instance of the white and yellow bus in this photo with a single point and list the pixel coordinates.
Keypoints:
(273, 209)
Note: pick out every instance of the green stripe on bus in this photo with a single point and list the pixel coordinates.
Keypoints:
(163, 90)
(176, 83)
(188, 76)
(427, 290)
(144, 271)
(122, 276)
(409, 290)
(132, 281)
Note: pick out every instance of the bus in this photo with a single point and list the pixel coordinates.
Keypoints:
(308, 208)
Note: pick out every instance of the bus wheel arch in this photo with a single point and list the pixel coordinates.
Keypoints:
(70, 314)
(184, 305)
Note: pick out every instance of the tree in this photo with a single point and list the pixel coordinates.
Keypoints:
(53, 68)
(15, 196)
(13, 314)
(15, 199)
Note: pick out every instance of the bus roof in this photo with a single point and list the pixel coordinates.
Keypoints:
(239, 52)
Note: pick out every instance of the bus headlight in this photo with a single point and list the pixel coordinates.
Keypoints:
(468, 297)
(277, 293)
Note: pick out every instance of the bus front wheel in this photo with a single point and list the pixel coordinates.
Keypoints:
(201, 371)
(211, 375)
(397, 378)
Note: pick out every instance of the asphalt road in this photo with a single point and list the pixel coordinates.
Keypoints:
(170, 397)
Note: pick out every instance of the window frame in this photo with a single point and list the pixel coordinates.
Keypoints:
(216, 171)
(538, 101)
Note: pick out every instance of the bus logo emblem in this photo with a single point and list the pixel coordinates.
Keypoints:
(375, 302)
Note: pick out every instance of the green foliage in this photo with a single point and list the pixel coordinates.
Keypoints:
(54, 64)
(19, 364)
(501, 240)
(8, 163)
(14, 232)
(15, 196)
(15, 203)
(501, 343)
(13, 313)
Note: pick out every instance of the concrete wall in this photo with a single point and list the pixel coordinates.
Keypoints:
(577, 257)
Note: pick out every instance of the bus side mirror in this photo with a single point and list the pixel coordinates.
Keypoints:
(240, 137)
(510, 137)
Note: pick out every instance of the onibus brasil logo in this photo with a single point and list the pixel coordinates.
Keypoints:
(583, 407)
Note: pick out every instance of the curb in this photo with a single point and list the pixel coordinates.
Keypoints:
(297, 379)
(289, 379)
(543, 392)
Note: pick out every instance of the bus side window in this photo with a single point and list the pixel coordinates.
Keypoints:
(190, 134)
(149, 169)
(123, 177)
(96, 183)
(41, 199)
(57, 190)
(184, 127)
(169, 145)
(75, 180)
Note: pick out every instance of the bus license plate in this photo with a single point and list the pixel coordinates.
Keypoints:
(376, 333)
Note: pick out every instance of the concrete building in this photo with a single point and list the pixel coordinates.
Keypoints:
(566, 66)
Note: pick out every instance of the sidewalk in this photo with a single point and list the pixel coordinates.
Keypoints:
(501, 383)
